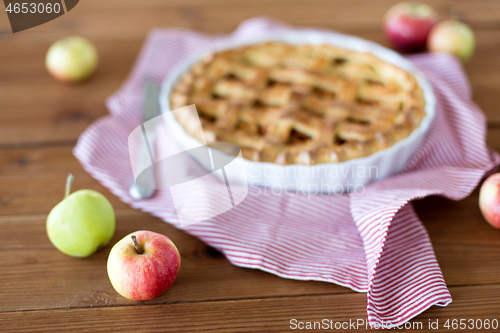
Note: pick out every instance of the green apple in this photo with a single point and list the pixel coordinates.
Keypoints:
(72, 59)
(454, 37)
(82, 223)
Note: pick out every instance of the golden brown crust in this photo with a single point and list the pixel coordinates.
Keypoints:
(300, 104)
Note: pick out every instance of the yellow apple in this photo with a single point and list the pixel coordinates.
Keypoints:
(454, 37)
(72, 59)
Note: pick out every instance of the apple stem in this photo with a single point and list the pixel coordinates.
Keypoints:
(137, 246)
(69, 182)
(414, 7)
(454, 13)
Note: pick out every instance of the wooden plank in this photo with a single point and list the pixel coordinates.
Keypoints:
(466, 246)
(361, 15)
(35, 275)
(104, 20)
(37, 108)
(32, 180)
(258, 315)
(342, 12)
(486, 92)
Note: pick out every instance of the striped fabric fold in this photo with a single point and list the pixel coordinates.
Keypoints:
(371, 243)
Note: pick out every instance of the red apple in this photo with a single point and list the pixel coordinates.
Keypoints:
(143, 265)
(489, 200)
(454, 37)
(408, 24)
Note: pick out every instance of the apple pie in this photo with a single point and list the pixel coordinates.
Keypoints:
(299, 104)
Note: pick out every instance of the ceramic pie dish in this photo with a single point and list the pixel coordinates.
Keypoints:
(312, 111)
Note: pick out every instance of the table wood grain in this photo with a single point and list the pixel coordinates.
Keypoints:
(44, 290)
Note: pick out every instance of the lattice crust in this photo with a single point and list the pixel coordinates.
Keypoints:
(304, 104)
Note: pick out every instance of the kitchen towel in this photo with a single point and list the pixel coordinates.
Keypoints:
(371, 243)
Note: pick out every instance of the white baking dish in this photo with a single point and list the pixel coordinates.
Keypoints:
(327, 178)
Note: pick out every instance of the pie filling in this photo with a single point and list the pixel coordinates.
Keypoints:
(300, 104)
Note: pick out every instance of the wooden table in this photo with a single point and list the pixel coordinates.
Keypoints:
(42, 289)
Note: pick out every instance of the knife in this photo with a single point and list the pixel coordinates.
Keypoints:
(151, 110)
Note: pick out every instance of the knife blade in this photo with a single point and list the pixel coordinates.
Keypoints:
(151, 110)
(151, 100)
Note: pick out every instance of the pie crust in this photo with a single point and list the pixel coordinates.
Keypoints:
(299, 104)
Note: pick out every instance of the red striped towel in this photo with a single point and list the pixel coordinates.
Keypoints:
(372, 243)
